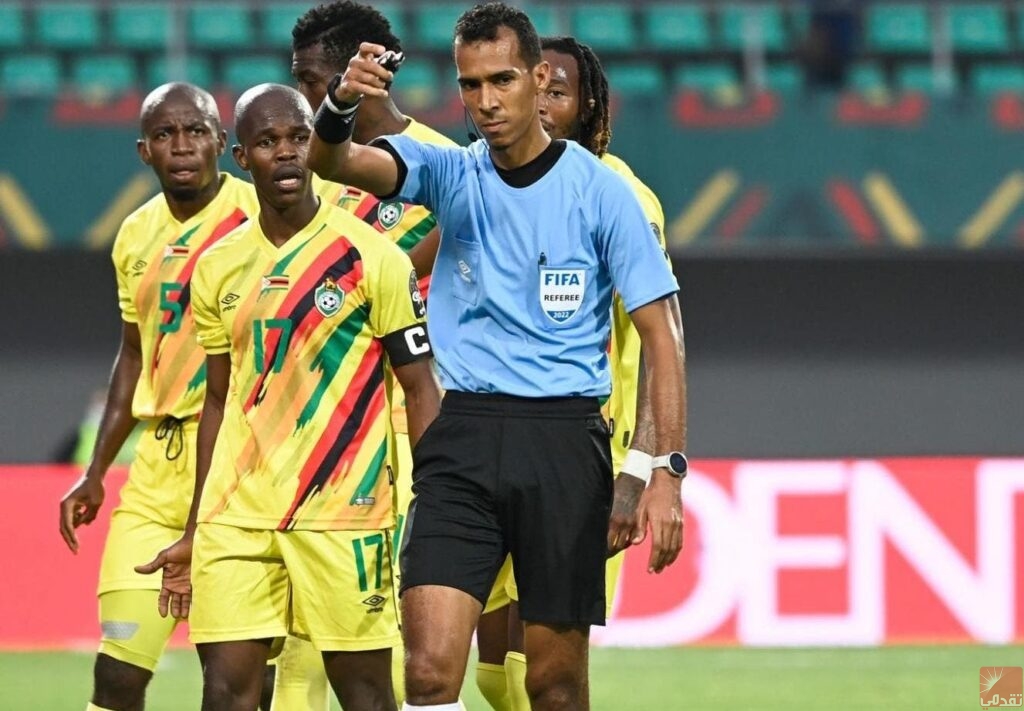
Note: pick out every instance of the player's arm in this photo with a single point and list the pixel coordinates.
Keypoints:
(664, 377)
(176, 560)
(424, 253)
(422, 396)
(81, 504)
(332, 154)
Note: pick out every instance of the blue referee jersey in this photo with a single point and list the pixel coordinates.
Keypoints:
(521, 292)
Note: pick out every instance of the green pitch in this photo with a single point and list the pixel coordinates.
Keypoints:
(698, 679)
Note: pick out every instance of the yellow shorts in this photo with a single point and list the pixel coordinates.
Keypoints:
(612, 570)
(333, 588)
(499, 596)
(163, 474)
(133, 630)
(132, 540)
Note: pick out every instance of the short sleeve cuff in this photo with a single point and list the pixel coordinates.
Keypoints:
(403, 169)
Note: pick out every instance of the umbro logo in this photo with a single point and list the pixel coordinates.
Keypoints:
(375, 603)
(137, 268)
(229, 302)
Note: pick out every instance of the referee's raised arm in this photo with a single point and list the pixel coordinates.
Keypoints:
(332, 154)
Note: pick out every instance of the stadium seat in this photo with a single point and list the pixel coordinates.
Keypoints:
(68, 25)
(141, 25)
(604, 27)
(277, 21)
(103, 74)
(435, 25)
(243, 72)
(706, 76)
(30, 74)
(220, 26)
(898, 28)
(12, 26)
(636, 79)
(784, 78)
(740, 25)
(195, 69)
(990, 79)
(676, 27)
(979, 29)
(923, 78)
(866, 78)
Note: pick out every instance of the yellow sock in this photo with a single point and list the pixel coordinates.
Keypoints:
(398, 672)
(301, 682)
(515, 678)
(490, 679)
(94, 707)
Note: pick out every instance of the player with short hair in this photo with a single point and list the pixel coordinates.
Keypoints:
(535, 234)
(576, 107)
(290, 527)
(323, 40)
(158, 379)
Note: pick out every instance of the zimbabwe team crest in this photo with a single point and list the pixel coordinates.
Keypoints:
(390, 214)
(328, 298)
(561, 292)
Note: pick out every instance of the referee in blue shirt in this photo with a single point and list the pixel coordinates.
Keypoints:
(535, 236)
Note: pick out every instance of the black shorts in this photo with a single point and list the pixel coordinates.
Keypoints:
(496, 474)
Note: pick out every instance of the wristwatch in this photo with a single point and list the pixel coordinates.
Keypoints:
(674, 462)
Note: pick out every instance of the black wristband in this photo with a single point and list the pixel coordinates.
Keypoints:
(331, 127)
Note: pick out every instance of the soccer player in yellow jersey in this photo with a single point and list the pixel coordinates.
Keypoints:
(158, 379)
(575, 106)
(290, 529)
(323, 40)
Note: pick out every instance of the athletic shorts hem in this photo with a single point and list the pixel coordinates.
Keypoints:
(123, 654)
(347, 644)
(203, 637)
(444, 584)
(554, 620)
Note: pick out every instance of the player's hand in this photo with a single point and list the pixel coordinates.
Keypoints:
(176, 587)
(661, 509)
(80, 506)
(364, 76)
(628, 490)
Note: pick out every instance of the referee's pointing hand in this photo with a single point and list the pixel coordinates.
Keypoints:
(364, 76)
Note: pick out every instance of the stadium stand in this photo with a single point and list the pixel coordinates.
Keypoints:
(107, 47)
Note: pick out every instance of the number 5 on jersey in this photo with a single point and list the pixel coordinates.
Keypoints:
(170, 292)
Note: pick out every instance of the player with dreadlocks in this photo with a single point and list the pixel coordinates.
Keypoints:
(576, 106)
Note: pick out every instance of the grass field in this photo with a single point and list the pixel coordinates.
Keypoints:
(699, 679)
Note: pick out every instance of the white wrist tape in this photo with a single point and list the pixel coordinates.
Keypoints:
(637, 464)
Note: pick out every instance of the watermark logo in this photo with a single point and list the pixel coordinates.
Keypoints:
(1001, 687)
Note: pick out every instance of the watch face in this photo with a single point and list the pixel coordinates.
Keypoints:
(677, 463)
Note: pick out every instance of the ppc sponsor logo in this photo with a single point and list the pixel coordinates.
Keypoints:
(561, 292)
(1001, 687)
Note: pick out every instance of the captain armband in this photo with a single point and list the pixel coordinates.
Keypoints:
(407, 345)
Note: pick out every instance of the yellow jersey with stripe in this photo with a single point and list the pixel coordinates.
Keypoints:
(405, 224)
(624, 356)
(303, 442)
(154, 256)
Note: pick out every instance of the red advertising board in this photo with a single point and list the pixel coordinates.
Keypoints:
(837, 552)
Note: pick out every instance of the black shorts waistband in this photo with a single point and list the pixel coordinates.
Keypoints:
(496, 405)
